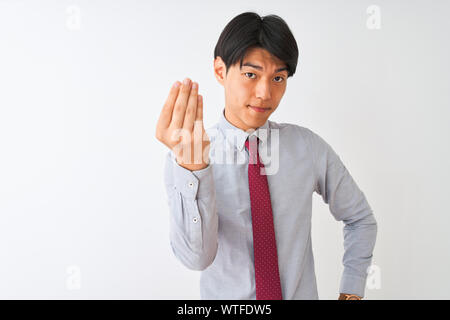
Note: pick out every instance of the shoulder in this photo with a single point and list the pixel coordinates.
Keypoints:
(293, 129)
(302, 136)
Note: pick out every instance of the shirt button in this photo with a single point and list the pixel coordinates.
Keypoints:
(191, 184)
(195, 220)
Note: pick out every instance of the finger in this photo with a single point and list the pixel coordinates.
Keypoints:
(191, 109)
(198, 125)
(199, 114)
(181, 104)
(166, 114)
(199, 134)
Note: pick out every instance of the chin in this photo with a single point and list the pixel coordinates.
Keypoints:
(255, 122)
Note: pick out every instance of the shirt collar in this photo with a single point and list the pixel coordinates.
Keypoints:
(236, 136)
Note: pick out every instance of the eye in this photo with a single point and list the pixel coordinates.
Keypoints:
(281, 79)
(249, 73)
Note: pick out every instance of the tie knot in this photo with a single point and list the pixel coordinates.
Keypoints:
(252, 146)
(254, 141)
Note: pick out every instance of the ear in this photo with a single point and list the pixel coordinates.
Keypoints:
(220, 70)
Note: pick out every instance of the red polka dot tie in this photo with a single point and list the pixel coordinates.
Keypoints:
(267, 277)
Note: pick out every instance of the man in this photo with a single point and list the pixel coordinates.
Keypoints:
(247, 230)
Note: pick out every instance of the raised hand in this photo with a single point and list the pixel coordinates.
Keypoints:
(180, 126)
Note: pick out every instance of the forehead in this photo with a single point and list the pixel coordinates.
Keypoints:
(262, 57)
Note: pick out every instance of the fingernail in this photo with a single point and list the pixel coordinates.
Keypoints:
(176, 84)
(194, 85)
(186, 81)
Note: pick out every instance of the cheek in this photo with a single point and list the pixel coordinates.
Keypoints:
(278, 94)
(241, 93)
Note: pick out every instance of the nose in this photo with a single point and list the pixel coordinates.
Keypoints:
(263, 90)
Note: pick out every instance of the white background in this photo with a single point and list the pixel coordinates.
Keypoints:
(83, 209)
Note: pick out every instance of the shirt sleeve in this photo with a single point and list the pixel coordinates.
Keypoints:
(193, 214)
(347, 203)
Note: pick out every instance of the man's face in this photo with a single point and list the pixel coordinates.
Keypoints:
(259, 83)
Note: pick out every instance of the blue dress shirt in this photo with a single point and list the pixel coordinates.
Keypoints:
(210, 213)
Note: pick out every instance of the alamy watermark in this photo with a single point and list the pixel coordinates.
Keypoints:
(374, 19)
(73, 280)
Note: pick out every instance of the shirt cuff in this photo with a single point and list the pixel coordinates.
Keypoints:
(195, 184)
(352, 285)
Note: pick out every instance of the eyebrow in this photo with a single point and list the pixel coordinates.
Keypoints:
(249, 64)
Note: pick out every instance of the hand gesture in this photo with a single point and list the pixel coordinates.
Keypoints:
(180, 126)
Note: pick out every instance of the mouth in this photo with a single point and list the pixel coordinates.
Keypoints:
(259, 109)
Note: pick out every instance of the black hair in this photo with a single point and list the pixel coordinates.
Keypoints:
(250, 30)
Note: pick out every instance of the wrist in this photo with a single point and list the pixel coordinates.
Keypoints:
(347, 296)
(193, 166)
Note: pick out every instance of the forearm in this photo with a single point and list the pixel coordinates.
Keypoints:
(193, 214)
(359, 243)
